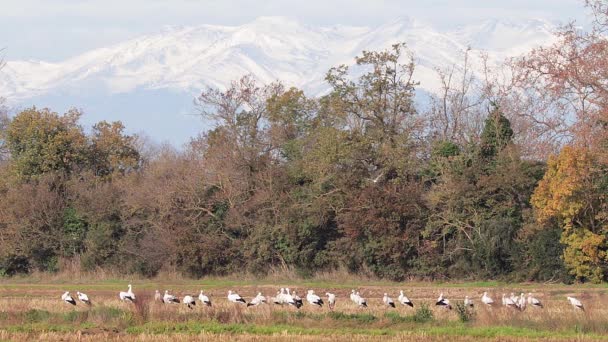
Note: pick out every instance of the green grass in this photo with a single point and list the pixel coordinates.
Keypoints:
(160, 328)
(361, 318)
(47, 327)
(396, 318)
(451, 330)
(112, 316)
(399, 325)
(504, 331)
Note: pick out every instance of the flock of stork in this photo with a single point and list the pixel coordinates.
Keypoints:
(285, 296)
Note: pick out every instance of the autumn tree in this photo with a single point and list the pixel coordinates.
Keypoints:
(112, 150)
(572, 74)
(572, 194)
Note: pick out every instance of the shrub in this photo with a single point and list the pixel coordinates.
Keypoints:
(36, 316)
(465, 314)
(423, 314)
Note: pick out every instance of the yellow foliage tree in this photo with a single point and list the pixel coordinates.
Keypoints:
(572, 194)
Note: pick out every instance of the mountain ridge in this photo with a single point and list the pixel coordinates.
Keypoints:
(186, 59)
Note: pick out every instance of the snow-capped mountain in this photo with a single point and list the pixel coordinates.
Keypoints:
(155, 77)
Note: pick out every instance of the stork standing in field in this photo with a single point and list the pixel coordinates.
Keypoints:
(487, 300)
(66, 297)
(353, 296)
(468, 302)
(189, 301)
(443, 302)
(388, 301)
(534, 302)
(157, 296)
(362, 302)
(576, 303)
(169, 298)
(521, 302)
(127, 296)
(299, 302)
(236, 298)
(83, 298)
(404, 300)
(204, 299)
(287, 298)
(509, 302)
(313, 299)
(331, 300)
(278, 299)
(257, 300)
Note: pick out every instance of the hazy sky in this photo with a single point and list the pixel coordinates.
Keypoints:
(56, 29)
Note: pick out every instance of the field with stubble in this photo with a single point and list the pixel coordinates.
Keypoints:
(33, 310)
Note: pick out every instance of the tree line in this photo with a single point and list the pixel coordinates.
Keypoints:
(495, 178)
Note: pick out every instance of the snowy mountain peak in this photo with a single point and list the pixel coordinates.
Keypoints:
(179, 61)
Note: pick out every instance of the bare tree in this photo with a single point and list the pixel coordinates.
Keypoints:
(457, 112)
(563, 88)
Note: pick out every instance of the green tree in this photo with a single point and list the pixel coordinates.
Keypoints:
(74, 233)
(496, 134)
(478, 205)
(41, 141)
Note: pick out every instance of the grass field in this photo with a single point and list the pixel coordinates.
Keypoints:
(31, 309)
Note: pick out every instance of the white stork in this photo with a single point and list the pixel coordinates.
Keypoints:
(313, 299)
(404, 300)
(534, 302)
(388, 301)
(236, 298)
(443, 302)
(257, 300)
(127, 296)
(576, 303)
(278, 299)
(331, 300)
(362, 302)
(521, 302)
(189, 301)
(204, 299)
(66, 297)
(169, 298)
(487, 300)
(509, 302)
(468, 302)
(353, 297)
(83, 298)
(299, 302)
(286, 298)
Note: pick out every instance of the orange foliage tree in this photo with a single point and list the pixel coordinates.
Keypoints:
(572, 194)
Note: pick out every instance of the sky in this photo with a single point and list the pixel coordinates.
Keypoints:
(53, 30)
